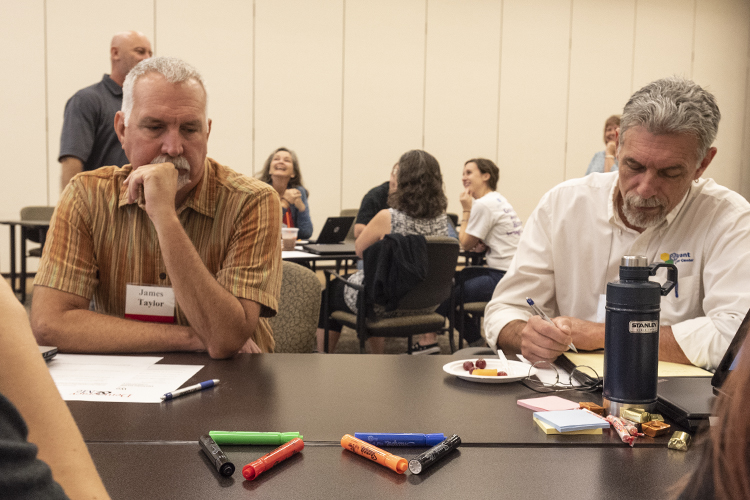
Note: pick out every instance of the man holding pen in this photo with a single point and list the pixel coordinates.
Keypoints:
(657, 205)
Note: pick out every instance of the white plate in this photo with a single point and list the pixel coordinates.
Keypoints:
(516, 371)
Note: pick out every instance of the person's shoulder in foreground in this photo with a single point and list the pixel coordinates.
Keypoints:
(208, 237)
(42, 452)
(656, 205)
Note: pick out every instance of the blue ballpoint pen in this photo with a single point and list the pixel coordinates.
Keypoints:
(188, 390)
(541, 314)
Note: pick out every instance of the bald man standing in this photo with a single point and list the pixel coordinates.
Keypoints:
(88, 137)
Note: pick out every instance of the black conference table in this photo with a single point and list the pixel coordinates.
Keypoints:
(151, 450)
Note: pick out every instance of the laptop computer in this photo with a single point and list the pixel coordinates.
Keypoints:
(331, 237)
(689, 400)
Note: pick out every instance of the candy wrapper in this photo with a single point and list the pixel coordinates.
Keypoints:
(621, 430)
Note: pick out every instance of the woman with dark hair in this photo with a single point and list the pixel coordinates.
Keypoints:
(281, 170)
(418, 207)
(488, 224)
(604, 161)
(724, 471)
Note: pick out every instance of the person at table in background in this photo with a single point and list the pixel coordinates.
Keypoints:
(42, 452)
(206, 236)
(88, 138)
(282, 171)
(605, 161)
(489, 224)
(419, 205)
(374, 201)
(724, 470)
(657, 205)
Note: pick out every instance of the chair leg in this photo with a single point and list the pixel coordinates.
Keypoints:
(409, 344)
(22, 286)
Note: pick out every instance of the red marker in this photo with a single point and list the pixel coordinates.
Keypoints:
(254, 469)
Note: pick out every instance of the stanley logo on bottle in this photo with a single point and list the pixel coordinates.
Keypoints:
(643, 326)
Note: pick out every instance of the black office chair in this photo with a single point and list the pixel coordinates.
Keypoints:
(34, 235)
(458, 304)
(442, 255)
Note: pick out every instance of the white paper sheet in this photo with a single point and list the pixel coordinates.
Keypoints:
(136, 379)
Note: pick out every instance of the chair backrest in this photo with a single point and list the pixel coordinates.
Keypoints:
(350, 212)
(442, 257)
(299, 307)
(37, 213)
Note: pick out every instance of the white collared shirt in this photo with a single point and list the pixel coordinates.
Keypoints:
(571, 248)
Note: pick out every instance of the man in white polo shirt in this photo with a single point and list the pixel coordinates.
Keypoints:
(657, 205)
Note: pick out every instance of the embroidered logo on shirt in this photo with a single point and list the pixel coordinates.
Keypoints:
(676, 257)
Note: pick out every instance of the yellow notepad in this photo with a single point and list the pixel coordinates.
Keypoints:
(666, 369)
(548, 429)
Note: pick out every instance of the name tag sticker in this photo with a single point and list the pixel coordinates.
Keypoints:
(149, 303)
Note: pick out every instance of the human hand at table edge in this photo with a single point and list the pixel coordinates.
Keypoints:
(587, 335)
(536, 339)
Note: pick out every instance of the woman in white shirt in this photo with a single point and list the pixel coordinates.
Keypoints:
(489, 224)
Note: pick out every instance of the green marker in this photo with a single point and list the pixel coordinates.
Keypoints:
(275, 438)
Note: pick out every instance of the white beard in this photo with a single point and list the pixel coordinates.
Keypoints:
(639, 219)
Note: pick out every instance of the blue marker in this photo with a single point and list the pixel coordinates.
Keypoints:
(388, 439)
(188, 390)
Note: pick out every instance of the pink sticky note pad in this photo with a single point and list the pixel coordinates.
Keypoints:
(548, 403)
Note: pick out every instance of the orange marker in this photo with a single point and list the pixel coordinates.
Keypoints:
(374, 453)
(254, 469)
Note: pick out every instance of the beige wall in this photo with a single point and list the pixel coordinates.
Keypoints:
(352, 84)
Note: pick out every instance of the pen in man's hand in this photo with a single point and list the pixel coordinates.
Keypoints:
(541, 314)
(188, 390)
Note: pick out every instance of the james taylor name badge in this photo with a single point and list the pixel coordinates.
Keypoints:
(149, 303)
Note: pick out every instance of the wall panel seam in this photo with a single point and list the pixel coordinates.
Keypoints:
(632, 58)
(343, 93)
(499, 82)
(567, 92)
(46, 104)
(424, 71)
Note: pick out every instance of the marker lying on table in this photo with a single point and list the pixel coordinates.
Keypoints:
(229, 437)
(540, 313)
(421, 462)
(191, 389)
(407, 439)
(363, 449)
(216, 456)
(254, 469)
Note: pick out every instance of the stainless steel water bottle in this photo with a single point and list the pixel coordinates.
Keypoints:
(631, 335)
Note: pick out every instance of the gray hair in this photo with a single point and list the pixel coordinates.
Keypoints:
(173, 69)
(674, 105)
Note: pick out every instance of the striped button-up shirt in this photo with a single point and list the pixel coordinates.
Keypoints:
(98, 242)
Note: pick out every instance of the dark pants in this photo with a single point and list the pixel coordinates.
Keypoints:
(336, 303)
(479, 289)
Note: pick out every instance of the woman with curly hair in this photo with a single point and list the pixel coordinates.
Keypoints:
(281, 170)
(418, 207)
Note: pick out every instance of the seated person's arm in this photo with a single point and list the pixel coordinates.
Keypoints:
(358, 228)
(26, 382)
(304, 222)
(467, 241)
(70, 167)
(379, 226)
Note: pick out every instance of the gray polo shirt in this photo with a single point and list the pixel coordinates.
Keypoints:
(89, 126)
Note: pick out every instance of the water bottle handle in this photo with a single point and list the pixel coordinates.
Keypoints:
(671, 276)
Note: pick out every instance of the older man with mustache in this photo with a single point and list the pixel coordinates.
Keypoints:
(657, 205)
(178, 252)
